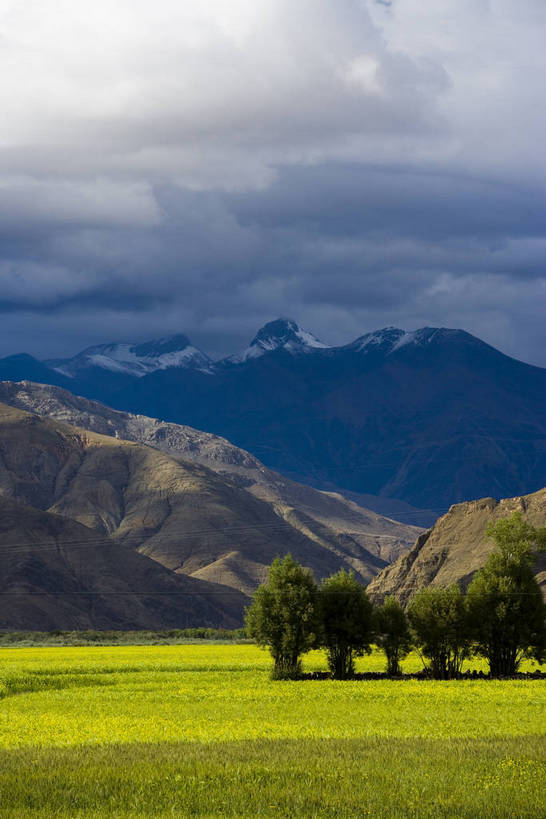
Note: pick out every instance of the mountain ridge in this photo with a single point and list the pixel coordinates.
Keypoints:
(440, 420)
(134, 359)
(429, 417)
(279, 334)
(184, 516)
(58, 573)
(325, 517)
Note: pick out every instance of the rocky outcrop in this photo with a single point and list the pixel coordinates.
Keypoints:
(456, 547)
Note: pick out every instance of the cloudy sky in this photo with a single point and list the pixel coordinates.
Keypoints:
(203, 166)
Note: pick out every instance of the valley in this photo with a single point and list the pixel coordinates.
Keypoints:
(200, 506)
(272, 409)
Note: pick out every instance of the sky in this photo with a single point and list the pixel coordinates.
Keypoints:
(204, 166)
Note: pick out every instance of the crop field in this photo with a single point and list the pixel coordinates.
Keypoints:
(186, 730)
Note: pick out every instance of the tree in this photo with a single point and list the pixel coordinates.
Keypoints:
(346, 620)
(506, 608)
(392, 634)
(283, 616)
(439, 623)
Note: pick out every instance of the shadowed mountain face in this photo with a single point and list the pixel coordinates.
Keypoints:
(18, 367)
(430, 417)
(57, 573)
(326, 518)
(456, 547)
(143, 502)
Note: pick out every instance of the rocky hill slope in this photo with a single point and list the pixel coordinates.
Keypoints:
(187, 518)
(327, 518)
(456, 547)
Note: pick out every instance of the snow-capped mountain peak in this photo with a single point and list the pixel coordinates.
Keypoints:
(283, 333)
(136, 359)
(391, 339)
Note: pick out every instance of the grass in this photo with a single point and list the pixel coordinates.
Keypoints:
(201, 730)
(111, 638)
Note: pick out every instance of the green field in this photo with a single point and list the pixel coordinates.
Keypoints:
(201, 730)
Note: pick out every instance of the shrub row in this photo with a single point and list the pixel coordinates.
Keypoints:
(95, 637)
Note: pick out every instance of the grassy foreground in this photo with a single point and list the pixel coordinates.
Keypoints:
(200, 730)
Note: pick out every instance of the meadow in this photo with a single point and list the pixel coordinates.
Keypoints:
(201, 730)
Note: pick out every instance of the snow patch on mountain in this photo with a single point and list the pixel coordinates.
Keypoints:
(309, 340)
(136, 359)
(384, 340)
(404, 340)
(390, 339)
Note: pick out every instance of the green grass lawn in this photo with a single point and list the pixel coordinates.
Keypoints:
(201, 730)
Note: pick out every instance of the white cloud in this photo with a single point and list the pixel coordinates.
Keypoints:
(97, 201)
(164, 90)
(493, 53)
(217, 92)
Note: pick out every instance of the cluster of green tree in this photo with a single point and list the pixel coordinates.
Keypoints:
(501, 617)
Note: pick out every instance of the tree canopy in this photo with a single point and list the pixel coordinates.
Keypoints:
(283, 615)
(505, 603)
(346, 620)
(440, 629)
(392, 633)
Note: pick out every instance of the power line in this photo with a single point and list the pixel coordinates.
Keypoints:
(107, 540)
(228, 593)
(25, 593)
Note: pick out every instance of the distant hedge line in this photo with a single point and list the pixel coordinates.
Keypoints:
(95, 637)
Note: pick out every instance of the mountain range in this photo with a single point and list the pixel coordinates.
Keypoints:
(327, 518)
(60, 574)
(426, 418)
(104, 532)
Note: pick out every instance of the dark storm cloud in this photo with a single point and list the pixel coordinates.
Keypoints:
(202, 168)
(352, 200)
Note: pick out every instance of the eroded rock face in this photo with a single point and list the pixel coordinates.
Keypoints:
(456, 547)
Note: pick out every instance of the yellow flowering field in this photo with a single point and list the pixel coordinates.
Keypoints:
(121, 715)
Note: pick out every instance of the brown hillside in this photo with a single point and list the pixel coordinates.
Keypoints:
(325, 517)
(181, 514)
(456, 547)
(57, 573)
